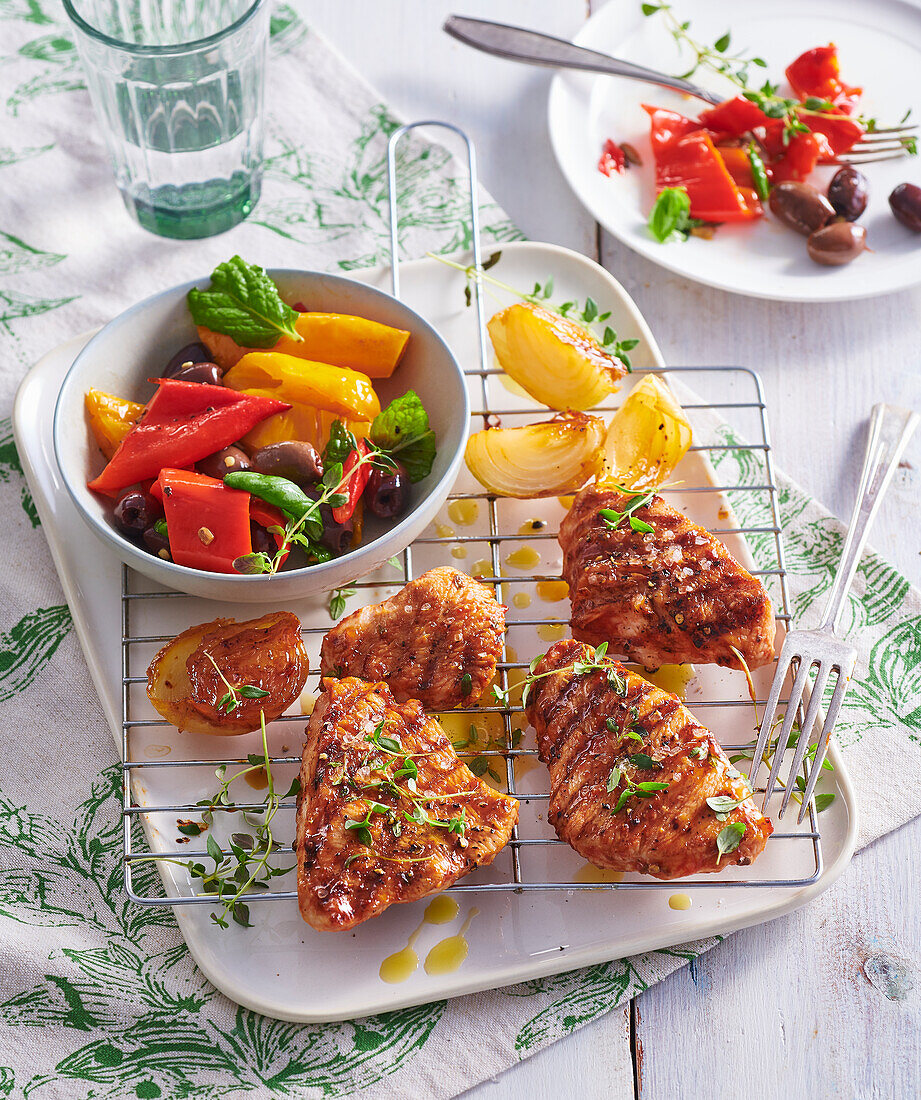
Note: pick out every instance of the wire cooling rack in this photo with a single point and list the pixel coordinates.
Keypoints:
(741, 393)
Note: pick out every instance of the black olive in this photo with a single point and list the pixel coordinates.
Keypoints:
(208, 373)
(227, 461)
(336, 536)
(294, 459)
(848, 192)
(135, 511)
(387, 493)
(800, 207)
(155, 541)
(191, 353)
(905, 202)
(263, 543)
(837, 244)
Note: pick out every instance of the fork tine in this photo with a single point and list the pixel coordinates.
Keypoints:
(831, 717)
(796, 696)
(880, 137)
(871, 158)
(805, 733)
(770, 708)
(908, 128)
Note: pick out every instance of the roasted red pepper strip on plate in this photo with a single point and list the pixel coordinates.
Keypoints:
(208, 523)
(687, 158)
(183, 423)
(612, 158)
(356, 483)
(841, 132)
(796, 160)
(816, 73)
(733, 117)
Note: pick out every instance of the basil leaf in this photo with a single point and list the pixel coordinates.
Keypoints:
(640, 525)
(243, 303)
(250, 691)
(729, 839)
(669, 217)
(402, 430)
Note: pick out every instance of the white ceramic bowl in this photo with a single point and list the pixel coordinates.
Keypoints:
(137, 344)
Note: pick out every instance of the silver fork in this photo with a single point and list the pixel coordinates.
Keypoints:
(890, 430)
(534, 48)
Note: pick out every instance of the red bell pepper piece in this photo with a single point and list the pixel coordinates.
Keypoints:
(355, 486)
(841, 132)
(816, 73)
(733, 117)
(208, 523)
(796, 160)
(612, 158)
(267, 515)
(183, 423)
(686, 157)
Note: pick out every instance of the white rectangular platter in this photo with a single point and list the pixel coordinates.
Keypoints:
(281, 966)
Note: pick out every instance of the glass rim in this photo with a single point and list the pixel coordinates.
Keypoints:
(180, 47)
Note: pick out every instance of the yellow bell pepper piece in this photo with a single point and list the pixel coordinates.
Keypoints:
(301, 422)
(110, 419)
(304, 382)
(336, 338)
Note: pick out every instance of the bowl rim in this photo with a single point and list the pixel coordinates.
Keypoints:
(360, 553)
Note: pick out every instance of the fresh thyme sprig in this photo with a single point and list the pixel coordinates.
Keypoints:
(245, 867)
(736, 68)
(586, 314)
(601, 663)
(307, 529)
(230, 700)
(407, 791)
(613, 519)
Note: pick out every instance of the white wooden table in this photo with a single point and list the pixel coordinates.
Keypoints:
(826, 1002)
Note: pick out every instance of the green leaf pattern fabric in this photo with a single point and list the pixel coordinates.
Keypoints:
(99, 997)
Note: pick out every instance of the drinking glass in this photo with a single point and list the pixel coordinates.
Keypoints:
(178, 88)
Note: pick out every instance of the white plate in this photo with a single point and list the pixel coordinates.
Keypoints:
(880, 48)
(282, 967)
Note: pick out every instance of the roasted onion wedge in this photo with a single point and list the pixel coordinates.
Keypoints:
(554, 359)
(263, 662)
(541, 460)
(648, 436)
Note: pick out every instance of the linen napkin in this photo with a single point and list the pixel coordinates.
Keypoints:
(98, 997)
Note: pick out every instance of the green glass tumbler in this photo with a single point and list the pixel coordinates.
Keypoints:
(178, 86)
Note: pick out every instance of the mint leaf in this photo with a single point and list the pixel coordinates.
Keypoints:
(244, 304)
(402, 430)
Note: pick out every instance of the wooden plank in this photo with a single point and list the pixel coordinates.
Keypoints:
(594, 1063)
(823, 1002)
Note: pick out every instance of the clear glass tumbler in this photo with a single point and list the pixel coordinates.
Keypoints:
(179, 86)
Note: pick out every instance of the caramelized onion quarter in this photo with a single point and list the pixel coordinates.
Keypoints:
(647, 438)
(541, 460)
(555, 359)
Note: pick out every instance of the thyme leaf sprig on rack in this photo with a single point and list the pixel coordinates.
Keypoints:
(230, 700)
(337, 599)
(736, 67)
(245, 867)
(586, 314)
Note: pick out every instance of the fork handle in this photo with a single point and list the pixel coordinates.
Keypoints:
(519, 44)
(890, 430)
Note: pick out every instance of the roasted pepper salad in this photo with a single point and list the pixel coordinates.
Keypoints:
(264, 442)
